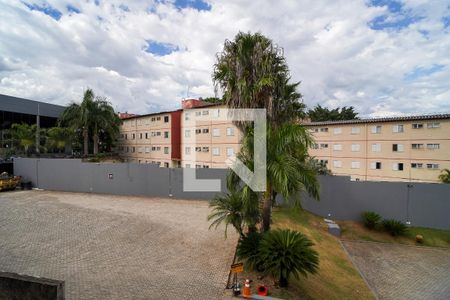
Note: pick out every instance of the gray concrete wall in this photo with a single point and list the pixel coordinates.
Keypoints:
(422, 204)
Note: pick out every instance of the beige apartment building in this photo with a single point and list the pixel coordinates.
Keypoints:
(415, 148)
(192, 137)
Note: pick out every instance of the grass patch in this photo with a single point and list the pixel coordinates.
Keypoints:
(432, 237)
(337, 278)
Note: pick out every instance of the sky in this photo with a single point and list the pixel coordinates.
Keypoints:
(385, 58)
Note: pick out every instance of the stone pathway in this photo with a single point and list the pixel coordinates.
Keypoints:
(402, 272)
(115, 247)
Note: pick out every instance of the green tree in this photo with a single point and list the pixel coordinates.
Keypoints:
(58, 138)
(445, 176)
(252, 73)
(23, 137)
(320, 114)
(93, 116)
(285, 253)
(288, 168)
(212, 100)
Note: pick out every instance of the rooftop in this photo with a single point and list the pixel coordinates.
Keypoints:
(379, 120)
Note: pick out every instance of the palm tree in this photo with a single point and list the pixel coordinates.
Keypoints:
(285, 252)
(58, 138)
(251, 73)
(23, 136)
(288, 168)
(445, 176)
(227, 209)
(78, 117)
(95, 115)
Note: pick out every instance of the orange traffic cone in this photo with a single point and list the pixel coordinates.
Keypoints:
(247, 293)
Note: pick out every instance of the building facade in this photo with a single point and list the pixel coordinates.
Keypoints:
(388, 149)
(191, 137)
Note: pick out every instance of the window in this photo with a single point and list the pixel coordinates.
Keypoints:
(166, 119)
(216, 113)
(158, 118)
(376, 147)
(337, 130)
(337, 163)
(376, 165)
(205, 149)
(206, 130)
(158, 148)
(433, 166)
(133, 136)
(230, 152)
(205, 167)
(417, 125)
(215, 151)
(198, 131)
(153, 119)
(166, 150)
(198, 166)
(356, 164)
(187, 133)
(416, 146)
(166, 134)
(198, 113)
(376, 129)
(324, 161)
(198, 149)
(397, 167)
(166, 165)
(315, 146)
(324, 129)
(187, 150)
(356, 147)
(316, 129)
(205, 112)
(158, 133)
(187, 165)
(133, 149)
(356, 130)
(230, 131)
(146, 135)
(140, 136)
(147, 149)
(397, 147)
(216, 132)
(337, 147)
(416, 166)
(433, 146)
(323, 146)
(434, 125)
(128, 149)
(397, 128)
(186, 116)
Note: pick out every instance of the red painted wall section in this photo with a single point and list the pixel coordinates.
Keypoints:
(191, 103)
(175, 133)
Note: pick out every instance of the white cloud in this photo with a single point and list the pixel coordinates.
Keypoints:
(329, 46)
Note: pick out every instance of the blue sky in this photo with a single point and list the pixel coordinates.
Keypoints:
(383, 57)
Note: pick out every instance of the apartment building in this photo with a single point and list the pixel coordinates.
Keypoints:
(415, 148)
(192, 137)
(152, 138)
(207, 140)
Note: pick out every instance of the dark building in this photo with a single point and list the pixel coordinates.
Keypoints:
(18, 110)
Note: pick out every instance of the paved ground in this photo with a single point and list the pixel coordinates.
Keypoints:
(403, 272)
(111, 247)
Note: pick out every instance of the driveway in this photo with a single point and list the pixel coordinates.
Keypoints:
(115, 247)
(403, 272)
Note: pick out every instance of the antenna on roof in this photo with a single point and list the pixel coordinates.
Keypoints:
(187, 92)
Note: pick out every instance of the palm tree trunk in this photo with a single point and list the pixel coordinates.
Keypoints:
(267, 208)
(283, 281)
(85, 141)
(95, 138)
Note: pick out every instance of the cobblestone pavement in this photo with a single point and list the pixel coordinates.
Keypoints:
(403, 272)
(115, 247)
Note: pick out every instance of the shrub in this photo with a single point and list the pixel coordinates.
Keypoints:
(394, 227)
(371, 219)
(248, 251)
(285, 252)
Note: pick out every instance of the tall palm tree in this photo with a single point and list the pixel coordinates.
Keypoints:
(78, 117)
(445, 176)
(251, 73)
(288, 168)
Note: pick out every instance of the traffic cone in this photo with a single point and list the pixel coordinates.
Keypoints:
(247, 293)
